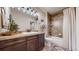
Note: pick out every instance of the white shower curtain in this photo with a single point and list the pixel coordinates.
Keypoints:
(69, 28)
(77, 28)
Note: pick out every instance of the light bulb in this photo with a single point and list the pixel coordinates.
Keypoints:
(24, 10)
(19, 8)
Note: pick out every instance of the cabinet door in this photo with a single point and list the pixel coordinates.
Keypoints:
(41, 41)
(17, 44)
(19, 47)
(32, 44)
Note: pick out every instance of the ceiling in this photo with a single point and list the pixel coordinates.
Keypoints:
(52, 10)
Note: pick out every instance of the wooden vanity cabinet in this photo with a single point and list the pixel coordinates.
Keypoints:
(30, 43)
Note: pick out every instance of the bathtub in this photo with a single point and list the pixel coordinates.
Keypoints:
(55, 40)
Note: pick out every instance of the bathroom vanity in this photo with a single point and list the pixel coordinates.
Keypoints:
(26, 41)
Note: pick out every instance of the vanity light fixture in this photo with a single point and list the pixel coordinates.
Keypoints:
(19, 8)
(23, 9)
(28, 10)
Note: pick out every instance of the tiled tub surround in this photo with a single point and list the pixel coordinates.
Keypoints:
(56, 25)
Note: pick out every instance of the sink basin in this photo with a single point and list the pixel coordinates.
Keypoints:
(7, 34)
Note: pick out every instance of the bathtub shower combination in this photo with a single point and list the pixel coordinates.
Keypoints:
(54, 44)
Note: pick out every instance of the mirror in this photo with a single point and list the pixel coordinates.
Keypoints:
(2, 11)
(4, 16)
(25, 17)
(19, 14)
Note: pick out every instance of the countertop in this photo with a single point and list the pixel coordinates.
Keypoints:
(23, 34)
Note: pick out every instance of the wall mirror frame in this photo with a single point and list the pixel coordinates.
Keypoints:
(2, 12)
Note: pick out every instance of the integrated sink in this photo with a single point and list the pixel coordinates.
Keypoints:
(8, 34)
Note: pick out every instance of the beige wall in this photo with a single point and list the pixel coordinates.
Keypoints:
(43, 15)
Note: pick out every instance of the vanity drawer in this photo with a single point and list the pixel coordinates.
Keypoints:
(31, 38)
